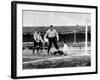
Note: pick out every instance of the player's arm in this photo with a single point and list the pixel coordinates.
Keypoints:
(45, 36)
(34, 35)
(41, 39)
(57, 35)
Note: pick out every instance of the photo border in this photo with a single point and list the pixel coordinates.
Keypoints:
(14, 38)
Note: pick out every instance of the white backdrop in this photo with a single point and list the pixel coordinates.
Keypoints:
(5, 41)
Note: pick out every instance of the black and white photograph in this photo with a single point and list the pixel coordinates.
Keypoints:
(53, 39)
(56, 39)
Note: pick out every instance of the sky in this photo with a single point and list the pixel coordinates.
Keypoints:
(44, 18)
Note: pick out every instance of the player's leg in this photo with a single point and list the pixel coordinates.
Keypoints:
(41, 46)
(37, 47)
(49, 46)
(34, 46)
(55, 43)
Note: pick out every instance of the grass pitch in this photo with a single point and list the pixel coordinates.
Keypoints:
(76, 58)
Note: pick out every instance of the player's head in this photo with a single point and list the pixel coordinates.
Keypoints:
(51, 27)
(36, 31)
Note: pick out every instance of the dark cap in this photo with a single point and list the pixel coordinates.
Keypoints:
(51, 25)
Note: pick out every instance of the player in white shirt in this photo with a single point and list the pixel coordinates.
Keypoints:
(52, 36)
(37, 41)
